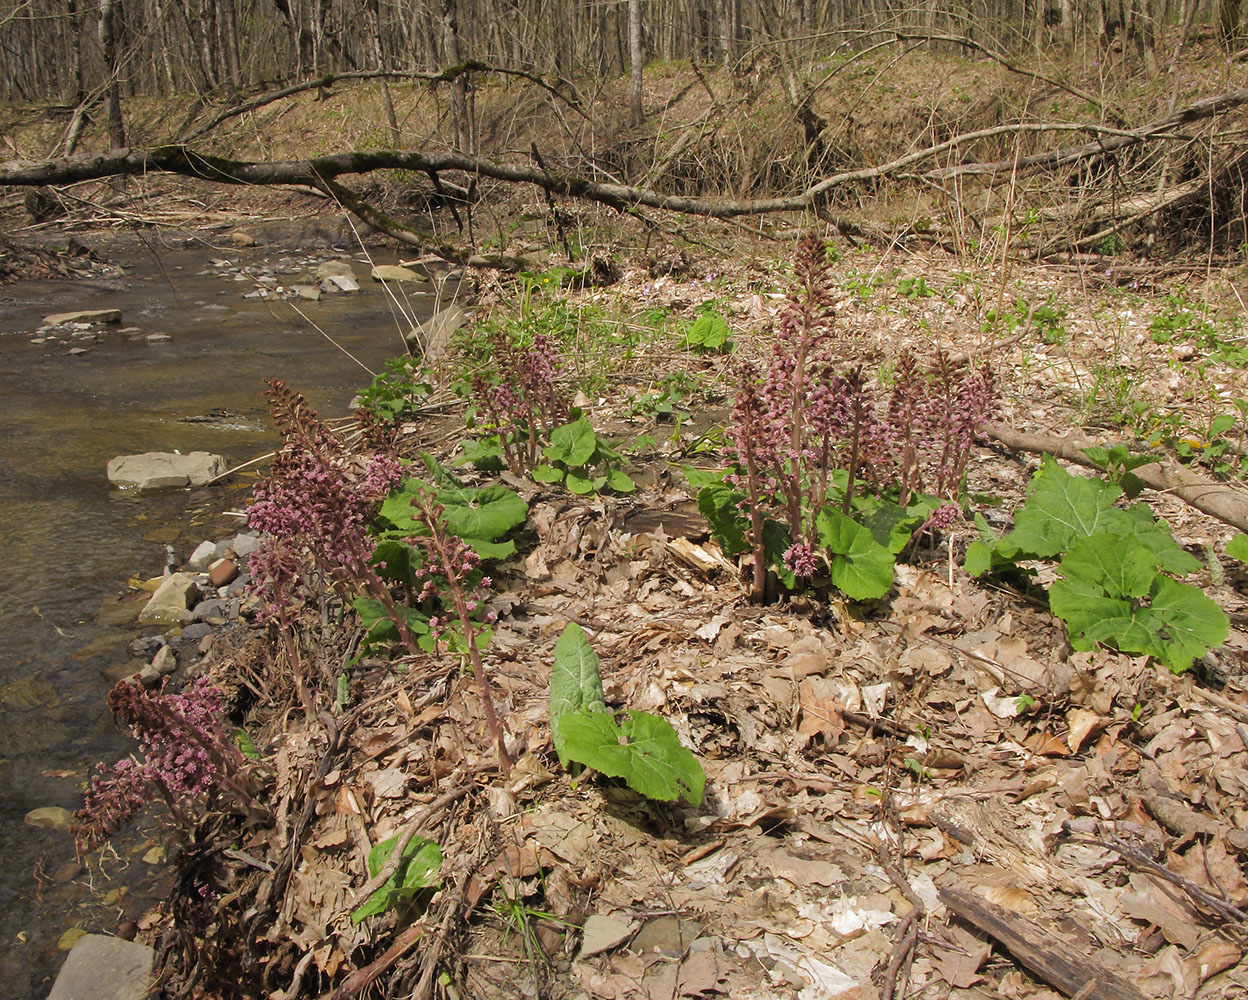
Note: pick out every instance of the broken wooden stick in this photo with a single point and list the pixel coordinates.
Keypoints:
(1040, 950)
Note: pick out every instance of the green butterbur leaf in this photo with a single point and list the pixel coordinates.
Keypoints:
(721, 506)
(488, 514)
(573, 444)
(418, 870)
(1110, 592)
(1237, 548)
(1060, 509)
(645, 751)
(575, 683)
(378, 624)
(709, 332)
(546, 474)
(860, 566)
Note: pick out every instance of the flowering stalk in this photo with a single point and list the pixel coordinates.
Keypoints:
(800, 420)
(185, 752)
(452, 562)
(523, 406)
(315, 508)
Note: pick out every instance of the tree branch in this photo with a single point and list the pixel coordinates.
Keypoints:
(442, 76)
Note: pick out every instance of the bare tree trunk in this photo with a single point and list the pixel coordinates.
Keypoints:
(1228, 24)
(374, 15)
(459, 86)
(112, 66)
(635, 114)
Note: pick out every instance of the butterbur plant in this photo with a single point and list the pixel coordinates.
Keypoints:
(185, 755)
(522, 405)
(315, 508)
(450, 574)
(827, 473)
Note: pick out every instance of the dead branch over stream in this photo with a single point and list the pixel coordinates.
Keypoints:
(1105, 209)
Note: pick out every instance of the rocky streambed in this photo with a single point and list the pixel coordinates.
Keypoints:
(181, 368)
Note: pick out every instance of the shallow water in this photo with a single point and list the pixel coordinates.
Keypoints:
(69, 540)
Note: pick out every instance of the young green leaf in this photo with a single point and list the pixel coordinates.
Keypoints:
(575, 683)
(418, 870)
(890, 524)
(709, 332)
(860, 566)
(546, 474)
(573, 444)
(645, 752)
(379, 626)
(1237, 547)
(620, 482)
(698, 478)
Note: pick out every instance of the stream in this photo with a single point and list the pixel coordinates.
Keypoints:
(71, 542)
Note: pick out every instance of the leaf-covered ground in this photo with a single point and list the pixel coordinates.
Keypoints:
(928, 796)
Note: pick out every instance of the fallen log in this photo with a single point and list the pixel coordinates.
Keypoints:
(1220, 500)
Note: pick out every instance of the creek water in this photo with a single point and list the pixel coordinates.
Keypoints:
(70, 541)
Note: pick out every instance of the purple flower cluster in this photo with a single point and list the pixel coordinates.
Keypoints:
(929, 427)
(522, 406)
(801, 419)
(450, 572)
(316, 504)
(184, 753)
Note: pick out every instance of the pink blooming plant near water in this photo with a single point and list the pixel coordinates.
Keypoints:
(796, 423)
(185, 754)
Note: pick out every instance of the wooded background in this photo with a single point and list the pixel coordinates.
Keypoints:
(61, 50)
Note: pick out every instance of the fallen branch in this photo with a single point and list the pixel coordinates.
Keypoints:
(1040, 949)
(1109, 141)
(1226, 503)
(316, 172)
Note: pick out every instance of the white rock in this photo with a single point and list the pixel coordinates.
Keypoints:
(245, 544)
(602, 933)
(171, 603)
(344, 282)
(103, 966)
(204, 553)
(156, 469)
(165, 661)
(433, 337)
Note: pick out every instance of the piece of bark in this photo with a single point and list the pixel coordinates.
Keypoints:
(1040, 950)
(1219, 500)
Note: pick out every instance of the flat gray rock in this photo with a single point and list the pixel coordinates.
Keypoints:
(101, 967)
(155, 470)
(84, 316)
(433, 337)
(393, 272)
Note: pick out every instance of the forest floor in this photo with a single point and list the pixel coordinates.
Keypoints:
(930, 795)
